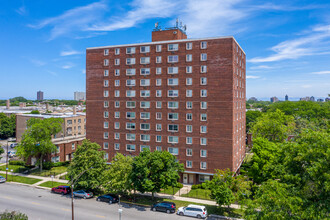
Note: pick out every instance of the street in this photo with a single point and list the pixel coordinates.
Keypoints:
(41, 204)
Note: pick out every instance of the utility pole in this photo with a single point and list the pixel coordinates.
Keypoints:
(7, 162)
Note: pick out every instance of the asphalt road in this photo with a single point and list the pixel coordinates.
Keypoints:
(43, 205)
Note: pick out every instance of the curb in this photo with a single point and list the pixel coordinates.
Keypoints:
(220, 217)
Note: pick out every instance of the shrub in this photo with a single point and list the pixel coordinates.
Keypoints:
(179, 185)
(16, 162)
(204, 186)
(47, 165)
(13, 216)
(58, 164)
(197, 186)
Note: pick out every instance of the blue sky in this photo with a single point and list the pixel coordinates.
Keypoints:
(43, 43)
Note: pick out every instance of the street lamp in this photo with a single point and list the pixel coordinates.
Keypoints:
(52, 179)
(9, 139)
(120, 211)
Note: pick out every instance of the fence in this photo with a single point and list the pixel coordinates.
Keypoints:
(196, 193)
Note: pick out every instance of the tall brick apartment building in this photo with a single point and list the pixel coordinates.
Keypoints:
(186, 96)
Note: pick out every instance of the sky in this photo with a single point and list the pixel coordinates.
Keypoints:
(43, 43)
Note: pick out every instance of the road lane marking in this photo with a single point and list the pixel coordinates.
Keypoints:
(6, 197)
(35, 203)
(66, 209)
(100, 216)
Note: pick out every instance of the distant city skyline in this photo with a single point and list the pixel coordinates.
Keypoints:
(287, 43)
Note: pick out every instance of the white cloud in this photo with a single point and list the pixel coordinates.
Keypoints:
(322, 72)
(261, 67)
(69, 53)
(52, 73)
(83, 71)
(37, 62)
(21, 10)
(306, 86)
(252, 77)
(67, 66)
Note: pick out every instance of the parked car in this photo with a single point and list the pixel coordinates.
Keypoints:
(110, 198)
(83, 194)
(11, 154)
(61, 190)
(193, 210)
(168, 207)
(13, 145)
(2, 179)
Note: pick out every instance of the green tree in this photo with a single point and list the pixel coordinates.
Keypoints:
(118, 177)
(1, 151)
(13, 216)
(36, 112)
(153, 171)
(251, 117)
(37, 138)
(88, 161)
(7, 126)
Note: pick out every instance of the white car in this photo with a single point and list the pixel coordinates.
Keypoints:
(193, 210)
(2, 179)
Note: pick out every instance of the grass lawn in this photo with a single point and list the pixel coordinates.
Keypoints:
(49, 184)
(54, 171)
(21, 179)
(170, 191)
(198, 193)
(15, 168)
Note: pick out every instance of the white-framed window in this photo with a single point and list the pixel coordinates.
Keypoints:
(145, 126)
(105, 145)
(130, 104)
(173, 116)
(172, 70)
(117, 125)
(106, 114)
(117, 136)
(189, 140)
(145, 71)
(130, 126)
(173, 81)
(130, 61)
(173, 150)
(145, 82)
(158, 82)
(188, 69)
(144, 147)
(130, 115)
(158, 127)
(172, 58)
(158, 104)
(203, 105)
(130, 93)
(106, 72)
(189, 46)
(203, 128)
(117, 93)
(203, 81)
(158, 59)
(106, 135)
(106, 62)
(173, 47)
(188, 81)
(203, 165)
(203, 93)
(145, 93)
(106, 104)
(106, 52)
(158, 148)
(203, 141)
(130, 147)
(145, 104)
(189, 164)
(144, 115)
(130, 137)
(189, 93)
(130, 50)
(189, 152)
(117, 82)
(117, 115)
(106, 93)
(158, 70)
(158, 93)
(188, 57)
(106, 83)
(173, 139)
(158, 48)
(117, 146)
(130, 72)
(172, 93)
(203, 69)
(189, 128)
(106, 156)
(203, 153)
(172, 128)
(189, 105)
(173, 105)
(158, 115)
(117, 62)
(117, 72)
(145, 60)
(144, 49)
(158, 138)
(130, 82)
(189, 116)
(117, 51)
(203, 45)
(203, 57)
(106, 124)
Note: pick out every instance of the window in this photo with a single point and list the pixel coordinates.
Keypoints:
(189, 152)
(203, 128)
(145, 82)
(188, 93)
(106, 135)
(130, 137)
(145, 60)
(158, 115)
(189, 57)
(106, 52)
(145, 71)
(203, 93)
(158, 59)
(172, 70)
(203, 81)
(189, 69)
(173, 150)
(203, 153)
(203, 69)
(203, 141)
(158, 127)
(145, 126)
(106, 156)
(106, 72)
(188, 140)
(203, 105)
(117, 82)
(106, 93)
(173, 116)
(189, 128)
(117, 62)
(158, 93)
(106, 124)
(130, 126)
(173, 139)
(203, 178)
(145, 93)
(173, 59)
(203, 45)
(203, 165)
(173, 47)
(130, 72)
(158, 70)
(106, 83)
(144, 49)
(188, 81)
(130, 82)
(144, 147)
(106, 62)
(130, 104)
(172, 93)
(158, 82)
(130, 61)
(106, 104)
(172, 128)
(117, 136)
(117, 72)
(158, 148)
(158, 48)
(117, 125)
(117, 146)
(105, 145)
(117, 51)
(158, 138)
(145, 115)
(173, 105)
(158, 104)
(173, 82)
(106, 114)
(189, 164)
(117, 114)
(203, 57)
(144, 104)
(117, 93)
(189, 116)
(130, 115)
(188, 46)
(130, 50)
(189, 105)
(130, 147)
(130, 93)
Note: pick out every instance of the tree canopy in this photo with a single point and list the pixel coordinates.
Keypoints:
(7, 126)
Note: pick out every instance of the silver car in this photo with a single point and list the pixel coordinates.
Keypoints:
(2, 179)
(193, 210)
(83, 194)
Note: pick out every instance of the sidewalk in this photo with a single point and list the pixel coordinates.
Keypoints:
(42, 179)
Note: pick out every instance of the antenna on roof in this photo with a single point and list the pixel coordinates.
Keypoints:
(156, 25)
(177, 22)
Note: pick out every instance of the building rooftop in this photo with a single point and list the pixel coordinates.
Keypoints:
(68, 115)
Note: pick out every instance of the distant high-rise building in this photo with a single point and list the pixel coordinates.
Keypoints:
(307, 98)
(253, 99)
(79, 96)
(286, 98)
(312, 99)
(40, 95)
(273, 99)
(320, 100)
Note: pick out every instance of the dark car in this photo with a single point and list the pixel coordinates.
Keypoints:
(61, 190)
(168, 207)
(110, 198)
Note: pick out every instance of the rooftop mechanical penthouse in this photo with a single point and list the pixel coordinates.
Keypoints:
(185, 96)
